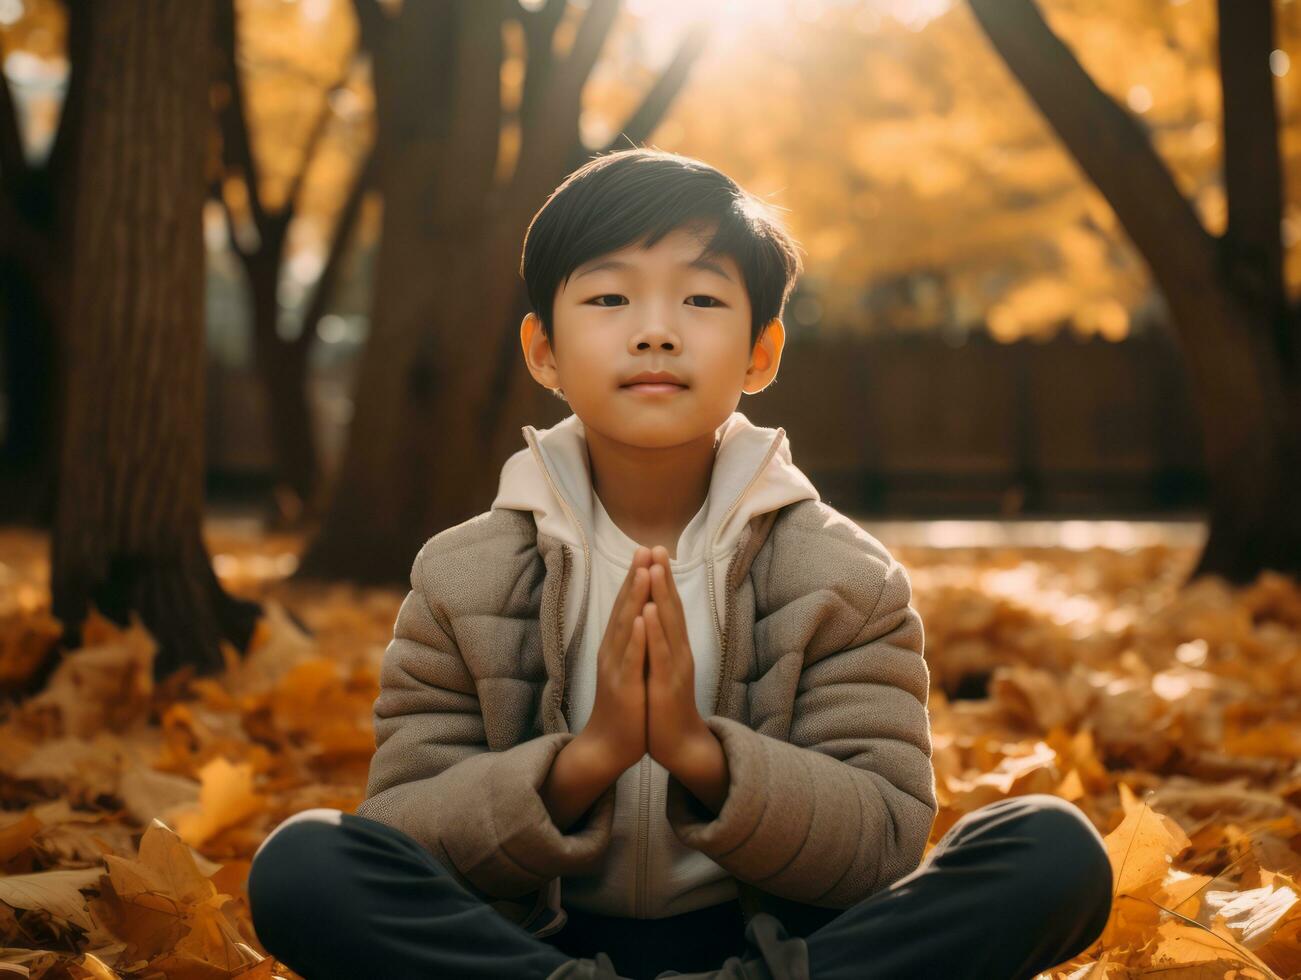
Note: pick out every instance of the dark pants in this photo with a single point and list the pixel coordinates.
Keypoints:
(1010, 890)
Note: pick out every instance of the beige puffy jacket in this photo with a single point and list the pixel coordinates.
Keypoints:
(820, 709)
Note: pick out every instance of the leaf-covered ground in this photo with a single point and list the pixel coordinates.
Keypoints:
(1171, 717)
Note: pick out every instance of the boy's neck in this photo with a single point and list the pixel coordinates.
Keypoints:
(652, 494)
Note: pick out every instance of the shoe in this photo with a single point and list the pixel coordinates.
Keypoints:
(771, 955)
(600, 968)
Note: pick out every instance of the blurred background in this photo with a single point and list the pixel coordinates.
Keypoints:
(259, 310)
(974, 317)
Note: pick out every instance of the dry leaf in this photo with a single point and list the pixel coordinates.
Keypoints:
(226, 798)
(56, 892)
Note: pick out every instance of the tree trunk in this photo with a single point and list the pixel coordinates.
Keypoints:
(1236, 327)
(433, 420)
(430, 356)
(282, 365)
(35, 238)
(282, 369)
(127, 534)
(27, 350)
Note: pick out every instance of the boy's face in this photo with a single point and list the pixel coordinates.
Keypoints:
(640, 309)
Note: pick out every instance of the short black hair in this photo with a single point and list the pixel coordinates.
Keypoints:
(643, 194)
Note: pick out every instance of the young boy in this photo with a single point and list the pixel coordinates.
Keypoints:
(661, 707)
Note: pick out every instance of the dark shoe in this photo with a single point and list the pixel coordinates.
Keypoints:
(601, 968)
(771, 955)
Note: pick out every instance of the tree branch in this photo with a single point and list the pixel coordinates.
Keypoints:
(476, 107)
(372, 22)
(650, 113)
(1253, 181)
(323, 291)
(13, 161)
(59, 162)
(237, 148)
(313, 141)
(1110, 146)
(539, 38)
(581, 59)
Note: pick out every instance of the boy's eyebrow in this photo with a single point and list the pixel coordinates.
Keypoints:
(708, 265)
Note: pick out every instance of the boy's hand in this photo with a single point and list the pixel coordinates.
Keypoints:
(617, 726)
(675, 730)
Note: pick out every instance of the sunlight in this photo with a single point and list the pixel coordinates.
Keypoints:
(733, 11)
(911, 13)
(663, 21)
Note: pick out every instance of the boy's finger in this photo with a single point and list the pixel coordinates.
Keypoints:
(657, 649)
(669, 604)
(628, 580)
(618, 620)
(632, 602)
(625, 609)
(627, 603)
(671, 585)
(626, 606)
(636, 646)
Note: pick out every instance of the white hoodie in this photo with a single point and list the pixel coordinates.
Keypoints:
(648, 872)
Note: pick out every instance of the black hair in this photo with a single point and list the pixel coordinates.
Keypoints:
(641, 195)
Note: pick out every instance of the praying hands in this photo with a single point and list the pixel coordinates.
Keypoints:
(676, 736)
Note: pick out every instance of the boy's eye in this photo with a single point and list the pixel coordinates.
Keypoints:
(597, 300)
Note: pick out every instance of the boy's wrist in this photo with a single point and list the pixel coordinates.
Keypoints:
(597, 755)
(577, 778)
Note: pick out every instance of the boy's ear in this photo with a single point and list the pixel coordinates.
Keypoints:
(765, 357)
(537, 351)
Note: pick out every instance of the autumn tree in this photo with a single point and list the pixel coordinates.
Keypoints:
(462, 163)
(1226, 293)
(281, 361)
(35, 226)
(130, 483)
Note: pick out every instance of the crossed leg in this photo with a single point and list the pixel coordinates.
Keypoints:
(1011, 889)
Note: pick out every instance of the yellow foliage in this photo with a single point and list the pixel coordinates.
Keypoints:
(1162, 713)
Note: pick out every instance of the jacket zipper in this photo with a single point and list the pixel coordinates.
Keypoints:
(643, 838)
(722, 631)
(560, 629)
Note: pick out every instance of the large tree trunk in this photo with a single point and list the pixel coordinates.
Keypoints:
(27, 333)
(1226, 299)
(425, 444)
(35, 236)
(282, 369)
(420, 388)
(130, 499)
(281, 365)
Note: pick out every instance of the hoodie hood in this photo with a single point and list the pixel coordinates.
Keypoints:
(552, 478)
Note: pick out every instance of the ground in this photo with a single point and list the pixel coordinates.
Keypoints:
(1065, 658)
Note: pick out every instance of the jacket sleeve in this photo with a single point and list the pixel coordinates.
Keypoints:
(432, 776)
(845, 807)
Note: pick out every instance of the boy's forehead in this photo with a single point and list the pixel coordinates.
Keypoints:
(681, 250)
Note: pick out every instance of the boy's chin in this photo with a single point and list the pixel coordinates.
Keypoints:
(660, 433)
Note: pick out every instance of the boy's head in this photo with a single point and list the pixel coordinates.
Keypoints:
(644, 260)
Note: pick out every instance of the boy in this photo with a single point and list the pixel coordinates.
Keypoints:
(661, 707)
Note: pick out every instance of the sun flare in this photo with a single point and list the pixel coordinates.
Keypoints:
(662, 22)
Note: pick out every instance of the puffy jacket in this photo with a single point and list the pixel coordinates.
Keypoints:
(820, 692)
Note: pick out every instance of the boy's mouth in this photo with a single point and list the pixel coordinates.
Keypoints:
(654, 388)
